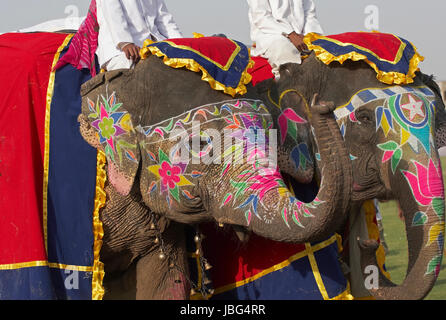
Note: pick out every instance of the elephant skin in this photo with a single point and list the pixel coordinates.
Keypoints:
(126, 114)
(392, 134)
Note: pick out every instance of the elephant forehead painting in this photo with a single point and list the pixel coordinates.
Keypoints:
(175, 145)
(413, 109)
(112, 122)
(404, 123)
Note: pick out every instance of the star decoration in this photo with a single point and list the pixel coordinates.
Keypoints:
(414, 107)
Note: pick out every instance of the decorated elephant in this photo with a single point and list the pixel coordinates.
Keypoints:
(90, 212)
(158, 145)
(143, 119)
(389, 131)
(392, 133)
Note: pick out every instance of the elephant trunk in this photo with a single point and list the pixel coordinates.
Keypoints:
(284, 218)
(424, 221)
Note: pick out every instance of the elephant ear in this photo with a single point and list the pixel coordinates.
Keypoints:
(293, 100)
(440, 109)
(114, 132)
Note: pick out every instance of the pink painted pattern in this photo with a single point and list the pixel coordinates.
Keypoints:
(288, 116)
(427, 183)
(266, 181)
(170, 175)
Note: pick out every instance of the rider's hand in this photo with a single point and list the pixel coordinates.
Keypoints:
(131, 51)
(298, 41)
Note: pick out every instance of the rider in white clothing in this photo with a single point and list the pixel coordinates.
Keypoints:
(278, 28)
(125, 24)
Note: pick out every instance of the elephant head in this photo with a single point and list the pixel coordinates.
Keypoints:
(292, 118)
(201, 157)
(390, 133)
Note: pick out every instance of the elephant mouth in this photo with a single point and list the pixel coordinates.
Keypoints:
(366, 192)
(357, 187)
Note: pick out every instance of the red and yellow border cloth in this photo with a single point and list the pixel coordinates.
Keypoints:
(223, 62)
(263, 269)
(394, 59)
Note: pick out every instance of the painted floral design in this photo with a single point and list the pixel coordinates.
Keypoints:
(266, 181)
(392, 152)
(257, 183)
(426, 183)
(169, 175)
(107, 128)
(301, 156)
(288, 121)
(406, 115)
(171, 178)
(112, 126)
(427, 188)
(236, 113)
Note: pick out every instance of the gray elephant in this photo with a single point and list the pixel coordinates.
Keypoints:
(389, 132)
(392, 134)
(144, 119)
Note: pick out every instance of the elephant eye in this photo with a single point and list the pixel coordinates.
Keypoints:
(364, 118)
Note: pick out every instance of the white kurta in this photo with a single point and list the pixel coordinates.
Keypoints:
(133, 21)
(271, 19)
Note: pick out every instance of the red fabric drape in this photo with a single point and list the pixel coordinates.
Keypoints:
(261, 71)
(25, 64)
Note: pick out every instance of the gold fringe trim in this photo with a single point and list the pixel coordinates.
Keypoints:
(385, 77)
(196, 67)
(99, 202)
(33, 264)
(198, 35)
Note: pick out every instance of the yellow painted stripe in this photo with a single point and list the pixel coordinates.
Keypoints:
(272, 101)
(279, 104)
